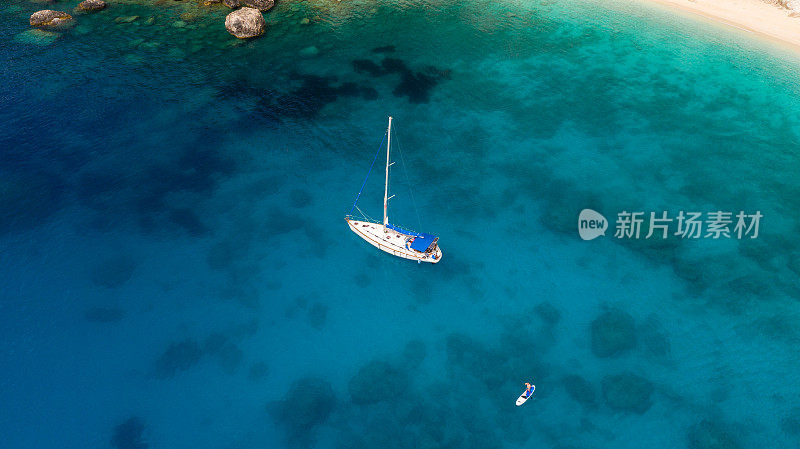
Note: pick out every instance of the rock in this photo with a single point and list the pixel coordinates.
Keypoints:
(627, 392)
(309, 52)
(233, 4)
(377, 381)
(245, 23)
(261, 5)
(189, 17)
(91, 5)
(305, 21)
(37, 37)
(126, 19)
(613, 333)
(47, 18)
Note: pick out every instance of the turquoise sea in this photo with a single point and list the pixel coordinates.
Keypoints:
(176, 271)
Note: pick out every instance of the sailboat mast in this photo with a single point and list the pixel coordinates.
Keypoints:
(386, 186)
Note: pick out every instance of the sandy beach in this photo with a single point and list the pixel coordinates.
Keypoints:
(756, 16)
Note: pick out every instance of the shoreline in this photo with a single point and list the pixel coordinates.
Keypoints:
(752, 16)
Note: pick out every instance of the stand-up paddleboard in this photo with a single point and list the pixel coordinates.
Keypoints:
(522, 398)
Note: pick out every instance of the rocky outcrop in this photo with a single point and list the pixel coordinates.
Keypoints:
(245, 23)
(261, 5)
(91, 5)
(232, 4)
(47, 18)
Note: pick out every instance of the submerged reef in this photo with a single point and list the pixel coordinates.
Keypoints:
(414, 85)
(226, 352)
(711, 435)
(28, 199)
(627, 392)
(377, 381)
(308, 404)
(178, 356)
(613, 333)
(579, 389)
(128, 435)
(103, 315)
(114, 271)
(258, 371)
(317, 315)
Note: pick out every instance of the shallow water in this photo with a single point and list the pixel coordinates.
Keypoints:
(175, 261)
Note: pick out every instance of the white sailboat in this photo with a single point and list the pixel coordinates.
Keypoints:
(391, 238)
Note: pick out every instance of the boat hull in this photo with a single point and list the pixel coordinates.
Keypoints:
(391, 242)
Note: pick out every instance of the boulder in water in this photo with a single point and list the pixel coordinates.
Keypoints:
(245, 23)
(232, 4)
(47, 18)
(92, 5)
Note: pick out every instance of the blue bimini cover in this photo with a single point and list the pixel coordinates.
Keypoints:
(422, 242)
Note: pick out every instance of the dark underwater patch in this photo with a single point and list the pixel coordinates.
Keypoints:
(129, 435)
(368, 67)
(627, 392)
(384, 49)
(196, 172)
(317, 315)
(709, 434)
(613, 333)
(258, 371)
(315, 92)
(114, 271)
(103, 315)
(548, 313)
(414, 85)
(579, 389)
(308, 404)
(377, 381)
(225, 351)
(100, 190)
(300, 198)
(28, 199)
(187, 220)
(178, 357)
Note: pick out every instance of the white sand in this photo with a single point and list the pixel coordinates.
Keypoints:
(756, 16)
